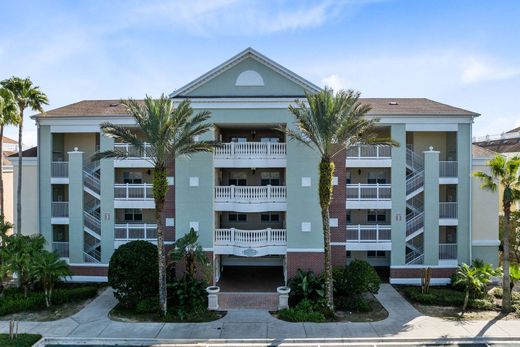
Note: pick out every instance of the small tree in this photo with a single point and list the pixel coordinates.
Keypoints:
(472, 279)
(504, 173)
(187, 248)
(4, 229)
(47, 268)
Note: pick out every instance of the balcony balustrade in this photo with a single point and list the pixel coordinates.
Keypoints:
(59, 169)
(447, 251)
(447, 169)
(129, 191)
(250, 238)
(251, 150)
(59, 209)
(133, 152)
(363, 191)
(250, 194)
(448, 210)
(369, 152)
(369, 233)
(128, 232)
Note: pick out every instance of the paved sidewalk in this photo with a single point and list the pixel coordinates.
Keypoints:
(403, 321)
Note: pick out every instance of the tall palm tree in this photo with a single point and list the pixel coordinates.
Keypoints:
(329, 124)
(27, 96)
(504, 172)
(9, 114)
(170, 132)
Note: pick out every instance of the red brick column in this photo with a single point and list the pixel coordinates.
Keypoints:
(306, 261)
(337, 209)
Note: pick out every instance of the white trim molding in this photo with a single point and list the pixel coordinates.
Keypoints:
(305, 250)
(490, 243)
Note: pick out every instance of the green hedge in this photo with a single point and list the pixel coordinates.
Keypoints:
(17, 302)
(445, 297)
(22, 340)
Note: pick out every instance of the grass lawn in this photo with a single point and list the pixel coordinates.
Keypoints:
(23, 340)
(122, 314)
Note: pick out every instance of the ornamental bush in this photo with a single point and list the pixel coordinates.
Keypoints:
(355, 279)
(133, 272)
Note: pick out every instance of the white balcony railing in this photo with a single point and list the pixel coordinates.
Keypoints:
(250, 238)
(250, 193)
(447, 251)
(59, 209)
(369, 191)
(129, 191)
(135, 231)
(369, 152)
(134, 153)
(447, 169)
(61, 249)
(369, 233)
(251, 150)
(447, 210)
(60, 169)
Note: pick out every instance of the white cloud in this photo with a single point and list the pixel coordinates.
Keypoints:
(478, 70)
(333, 81)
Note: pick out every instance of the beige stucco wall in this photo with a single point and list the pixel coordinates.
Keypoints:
(441, 141)
(85, 142)
(485, 208)
(30, 206)
(8, 196)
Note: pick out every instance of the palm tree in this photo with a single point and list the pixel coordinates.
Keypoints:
(187, 248)
(472, 279)
(170, 133)
(9, 114)
(330, 124)
(504, 172)
(48, 268)
(26, 95)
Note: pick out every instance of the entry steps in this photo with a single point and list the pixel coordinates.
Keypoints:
(249, 300)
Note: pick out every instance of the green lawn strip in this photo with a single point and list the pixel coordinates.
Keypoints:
(21, 340)
(120, 313)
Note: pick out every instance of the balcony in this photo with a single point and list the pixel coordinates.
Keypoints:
(250, 243)
(60, 172)
(136, 158)
(250, 198)
(448, 172)
(372, 237)
(369, 156)
(59, 212)
(124, 233)
(447, 251)
(448, 213)
(61, 249)
(250, 154)
(369, 196)
(128, 195)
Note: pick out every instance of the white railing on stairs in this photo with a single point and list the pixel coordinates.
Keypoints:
(250, 238)
(363, 191)
(92, 221)
(414, 182)
(415, 223)
(250, 193)
(251, 150)
(369, 233)
(414, 160)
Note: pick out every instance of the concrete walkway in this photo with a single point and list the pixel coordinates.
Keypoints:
(403, 321)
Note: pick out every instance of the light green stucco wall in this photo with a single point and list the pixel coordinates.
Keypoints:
(463, 192)
(431, 207)
(45, 156)
(224, 84)
(398, 173)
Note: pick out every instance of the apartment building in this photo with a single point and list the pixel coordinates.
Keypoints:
(254, 200)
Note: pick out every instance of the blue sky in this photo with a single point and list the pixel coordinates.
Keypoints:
(462, 52)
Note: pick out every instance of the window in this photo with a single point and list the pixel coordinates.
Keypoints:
(376, 216)
(237, 179)
(133, 215)
(239, 139)
(132, 177)
(237, 217)
(270, 217)
(270, 139)
(270, 178)
(376, 254)
(376, 177)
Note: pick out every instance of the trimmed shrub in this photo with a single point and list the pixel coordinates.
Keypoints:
(133, 272)
(305, 311)
(187, 294)
(352, 303)
(148, 305)
(481, 304)
(436, 296)
(497, 292)
(355, 279)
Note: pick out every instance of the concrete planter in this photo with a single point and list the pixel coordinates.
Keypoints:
(213, 297)
(283, 297)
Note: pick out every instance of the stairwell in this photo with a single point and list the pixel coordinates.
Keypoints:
(91, 213)
(415, 208)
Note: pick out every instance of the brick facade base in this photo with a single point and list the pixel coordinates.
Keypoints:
(304, 260)
(180, 269)
(339, 256)
(413, 276)
(89, 270)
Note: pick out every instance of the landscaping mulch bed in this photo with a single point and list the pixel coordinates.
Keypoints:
(121, 314)
(22, 340)
(377, 313)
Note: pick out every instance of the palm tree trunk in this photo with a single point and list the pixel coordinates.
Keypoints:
(506, 279)
(466, 300)
(19, 186)
(160, 187)
(2, 171)
(325, 191)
